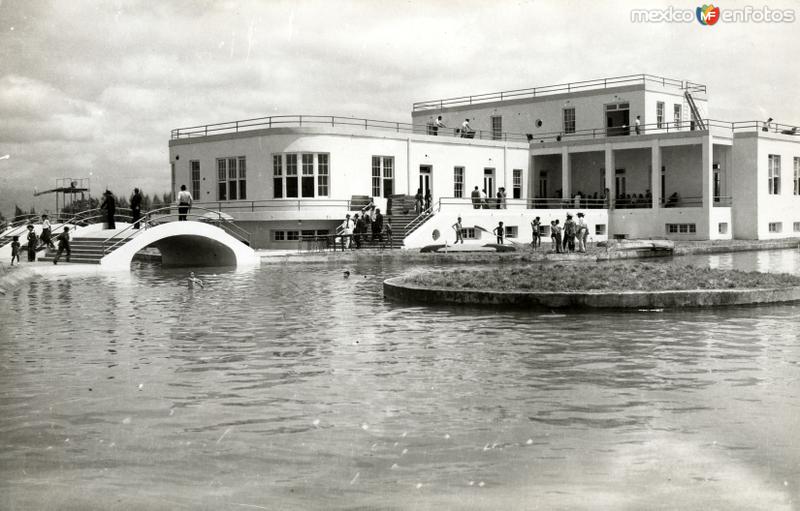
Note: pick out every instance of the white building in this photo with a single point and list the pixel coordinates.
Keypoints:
(676, 173)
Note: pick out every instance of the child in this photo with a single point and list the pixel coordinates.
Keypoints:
(499, 231)
(32, 240)
(194, 280)
(15, 250)
(63, 245)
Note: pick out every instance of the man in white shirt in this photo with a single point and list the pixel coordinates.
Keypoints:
(184, 203)
(347, 232)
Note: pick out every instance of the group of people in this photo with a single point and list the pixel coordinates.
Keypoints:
(370, 222)
(44, 240)
(570, 237)
(480, 200)
(632, 201)
(420, 201)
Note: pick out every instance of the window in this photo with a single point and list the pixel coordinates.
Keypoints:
(322, 175)
(314, 171)
(298, 235)
(278, 235)
(775, 226)
(796, 226)
(194, 166)
(511, 231)
(497, 127)
(544, 230)
(600, 229)
(292, 235)
(470, 233)
(277, 176)
(242, 178)
(723, 227)
(516, 183)
(382, 166)
(458, 182)
(774, 178)
(231, 178)
(659, 114)
(676, 113)
(291, 175)
(681, 228)
(307, 179)
(569, 120)
(796, 175)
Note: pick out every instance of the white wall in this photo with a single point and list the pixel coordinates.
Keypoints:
(744, 187)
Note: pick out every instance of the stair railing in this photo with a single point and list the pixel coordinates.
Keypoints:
(419, 220)
(696, 117)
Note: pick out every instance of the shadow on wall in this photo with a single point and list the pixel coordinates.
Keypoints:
(188, 250)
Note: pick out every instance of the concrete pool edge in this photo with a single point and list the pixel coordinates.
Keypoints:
(396, 289)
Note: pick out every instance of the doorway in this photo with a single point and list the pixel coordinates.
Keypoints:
(618, 119)
(426, 180)
(488, 181)
(619, 183)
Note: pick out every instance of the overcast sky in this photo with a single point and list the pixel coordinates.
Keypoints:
(93, 88)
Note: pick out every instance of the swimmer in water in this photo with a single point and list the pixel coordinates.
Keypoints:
(194, 280)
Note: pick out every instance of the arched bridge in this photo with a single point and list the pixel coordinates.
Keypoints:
(186, 243)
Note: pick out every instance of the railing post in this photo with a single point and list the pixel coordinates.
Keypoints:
(333, 121)
(301, 120)
(206, 126)
(237, 126)
(365, 124)
(398, 127)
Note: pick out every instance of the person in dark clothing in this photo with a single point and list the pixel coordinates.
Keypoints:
(110, 206)
(63, 245)
(136, 207)
(46, 235)
(359, 230)
(377, 226)
(499, 231)
(427, 199)
(15, 250)
(418, 201)
(32, 241)
(476, 198)
(570, 230)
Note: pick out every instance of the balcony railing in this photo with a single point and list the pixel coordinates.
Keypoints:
(548, 90)
(298, 121)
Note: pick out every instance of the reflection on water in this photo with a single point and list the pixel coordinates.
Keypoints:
(291, 387)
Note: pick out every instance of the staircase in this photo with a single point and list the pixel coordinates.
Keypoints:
(697, 117)
(84, 251)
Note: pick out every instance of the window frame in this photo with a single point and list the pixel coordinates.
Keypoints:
(194, 173)
(773, 174)
(569, 121)
(458, 182)
(660, 106)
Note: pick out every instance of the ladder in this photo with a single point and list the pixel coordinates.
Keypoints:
(696, 117)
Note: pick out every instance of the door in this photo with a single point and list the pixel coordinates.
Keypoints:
(488, 182)
(426, 179)
(542, 184)
(619, 183)
(618, 119)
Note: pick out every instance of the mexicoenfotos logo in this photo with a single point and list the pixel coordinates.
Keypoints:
(708, 14)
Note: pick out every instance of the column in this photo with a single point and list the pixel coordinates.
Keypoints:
(704, 231)
(655, 173)
(566, 174)
(610, 167)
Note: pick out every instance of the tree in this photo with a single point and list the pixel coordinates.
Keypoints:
(167, 197)
(156, 201)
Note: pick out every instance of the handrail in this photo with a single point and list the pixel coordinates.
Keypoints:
(546, 90)
(227, 226)
(280, 121)
(275, 204)
(419, 220)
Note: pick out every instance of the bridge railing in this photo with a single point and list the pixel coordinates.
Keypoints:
(165, 214)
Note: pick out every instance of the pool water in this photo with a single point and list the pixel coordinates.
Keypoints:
(291, 387)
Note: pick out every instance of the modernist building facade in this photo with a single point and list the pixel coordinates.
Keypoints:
(638, 155)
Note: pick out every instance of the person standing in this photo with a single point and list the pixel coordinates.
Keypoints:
(32, 240)
(347, 232)
(387, 229)
(583, 231)
(557, 236)
(359, 229)
(377, 226)
(63, 245)
(47, 233)
(536, 233)
(459, 231)
(418, 201)
(15, 250)
(570, 229)
(110, 206)
(136, 207)
(428, 199)
(499, 231)
(503, 198)
(638, 124)
(476, 198)
(184, 203)
(484, 199)
(438, 123)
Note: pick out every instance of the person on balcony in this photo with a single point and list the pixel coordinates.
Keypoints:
(466, 130)
(476, 198)
(438, 123)
(638, 125)
(110, 206)
(484, 199)
(136, 207)
(184, 203)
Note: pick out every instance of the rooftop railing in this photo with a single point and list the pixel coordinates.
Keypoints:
(548, 90)
(297, 121)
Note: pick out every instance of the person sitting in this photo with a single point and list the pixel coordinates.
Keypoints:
(673, 200)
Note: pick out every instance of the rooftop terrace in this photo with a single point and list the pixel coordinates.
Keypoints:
(562, 88)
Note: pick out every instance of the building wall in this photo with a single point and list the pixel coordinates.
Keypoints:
(637, 163)
(784, 207)
(684, 171)
(744, 187)
(588, 171)
(350, 160)
(520, 116)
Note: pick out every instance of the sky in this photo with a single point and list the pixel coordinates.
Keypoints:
(91, 89)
